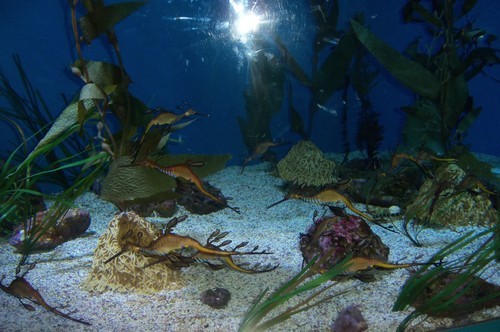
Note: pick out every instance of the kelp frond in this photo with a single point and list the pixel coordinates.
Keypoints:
(464, 270)
(296, 286)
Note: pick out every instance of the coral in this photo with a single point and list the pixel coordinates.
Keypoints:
(71, 225)
(216, 297)
(350, 319)
(451, 198)
(340, 236)
(126, 272)
(305, 165)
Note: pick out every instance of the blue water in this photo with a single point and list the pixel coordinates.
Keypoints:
(180, 50)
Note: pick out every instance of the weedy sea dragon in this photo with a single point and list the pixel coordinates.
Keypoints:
(324, 197)
(169, 244)
(259, 151)
(166, 118)
(216, 236)
(357, 264)
(22, 290)
(184, 171)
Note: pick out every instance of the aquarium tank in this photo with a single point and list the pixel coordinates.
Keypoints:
(249, 165)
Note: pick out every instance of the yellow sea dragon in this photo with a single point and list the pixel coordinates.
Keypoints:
(324, 197)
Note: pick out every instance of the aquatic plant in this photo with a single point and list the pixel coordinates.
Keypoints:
(26, 111)
(263, 99)
(297, 286)
(452, 288)
(336, 48)
(443, 109)
(18, 189)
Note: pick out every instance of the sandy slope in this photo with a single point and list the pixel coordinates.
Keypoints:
(59, 273)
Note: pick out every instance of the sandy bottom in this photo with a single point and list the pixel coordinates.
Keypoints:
(59, 273)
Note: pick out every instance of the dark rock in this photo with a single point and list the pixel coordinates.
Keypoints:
(164, 209)
(339, 236)
(350, 320)
(217, 297)
(196, 202)
(74, 223)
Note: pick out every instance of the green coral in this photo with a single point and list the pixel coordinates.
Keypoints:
(305, 165)
(125, 273)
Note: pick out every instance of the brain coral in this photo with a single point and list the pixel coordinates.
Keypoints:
(305, 165)
(126, 273)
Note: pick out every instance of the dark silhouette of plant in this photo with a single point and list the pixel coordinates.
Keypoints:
(336, 47)
(457, 52)
(453, 285)
(263, 99)
(296, 286)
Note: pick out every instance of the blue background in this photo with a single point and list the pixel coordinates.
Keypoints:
(199, 60)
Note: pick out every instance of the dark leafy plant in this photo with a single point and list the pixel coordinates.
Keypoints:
(451, 296)
(336, 47)
(443, 109)
(263, 99)
(18, 188)
(296, 286)
(29, 115)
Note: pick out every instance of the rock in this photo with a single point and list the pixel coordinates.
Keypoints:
(71, 225)
(163, 209)
(216, 297)
(340, 236)
(196, 202)
(350, 320)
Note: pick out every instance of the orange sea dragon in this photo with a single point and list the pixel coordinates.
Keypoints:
(323, 197)
(167, 118)
(169, 243)
(184, 171)
(418, 161)
(259, 151)
(356, 264)
(22, 289)
(228, 261)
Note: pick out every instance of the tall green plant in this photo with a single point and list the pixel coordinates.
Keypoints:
(443, 109)
(465, 270)
(297, 286)
(335, 47)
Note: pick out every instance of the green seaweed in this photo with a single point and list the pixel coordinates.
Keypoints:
(443, 110)
(126, 184)
(297, 286)
(329, 75)
(448, 300)
(263, 99)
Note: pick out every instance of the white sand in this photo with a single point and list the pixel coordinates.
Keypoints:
(59, 273)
